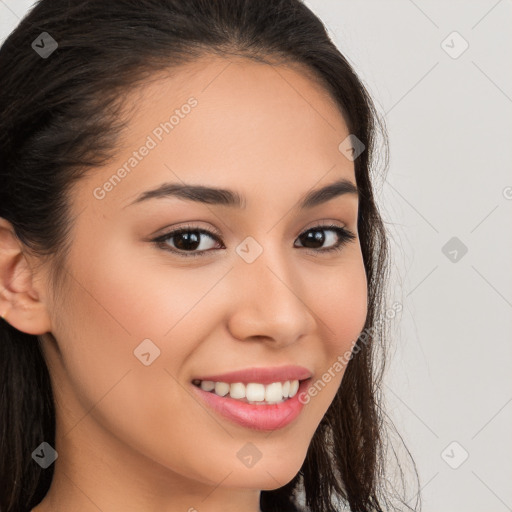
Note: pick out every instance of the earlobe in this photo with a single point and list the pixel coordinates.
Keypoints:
(21, 302)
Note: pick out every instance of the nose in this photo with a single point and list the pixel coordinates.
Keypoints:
(269, 302)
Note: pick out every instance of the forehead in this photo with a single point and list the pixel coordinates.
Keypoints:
(230, 122)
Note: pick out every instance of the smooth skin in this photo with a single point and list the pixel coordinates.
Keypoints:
(132, 437)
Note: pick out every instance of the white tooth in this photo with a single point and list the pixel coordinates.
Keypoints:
(221, 388)
(286, 388)
(237, 390)
(294, 386)
(255, 392)
(273, 392)
(207, 385)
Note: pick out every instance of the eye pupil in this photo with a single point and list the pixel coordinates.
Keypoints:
(315, 236)
(191, 238)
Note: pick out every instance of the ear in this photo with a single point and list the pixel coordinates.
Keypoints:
(21, 301)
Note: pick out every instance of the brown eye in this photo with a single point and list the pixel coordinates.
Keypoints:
(315, 238)
(187, 240)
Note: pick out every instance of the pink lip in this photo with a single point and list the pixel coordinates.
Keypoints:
(257, 417)
(261, 375)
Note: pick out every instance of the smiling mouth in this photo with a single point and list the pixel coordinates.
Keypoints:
(252, 392)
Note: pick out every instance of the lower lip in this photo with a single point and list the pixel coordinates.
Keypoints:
(257, 417)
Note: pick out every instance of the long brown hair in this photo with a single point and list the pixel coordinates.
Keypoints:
(61, 117)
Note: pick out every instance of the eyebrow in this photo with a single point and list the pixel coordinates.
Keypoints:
(226, 197)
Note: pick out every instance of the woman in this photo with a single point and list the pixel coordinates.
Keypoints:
(192, 262)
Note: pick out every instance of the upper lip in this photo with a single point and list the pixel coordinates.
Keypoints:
(262, 375)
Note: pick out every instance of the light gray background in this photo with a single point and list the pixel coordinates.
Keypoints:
(448, 385)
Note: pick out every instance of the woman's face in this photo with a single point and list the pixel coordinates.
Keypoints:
(140, 320)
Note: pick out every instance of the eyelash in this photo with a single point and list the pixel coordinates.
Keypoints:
(344, 235)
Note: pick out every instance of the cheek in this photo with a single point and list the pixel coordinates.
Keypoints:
(112, 305)
(340, 307)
